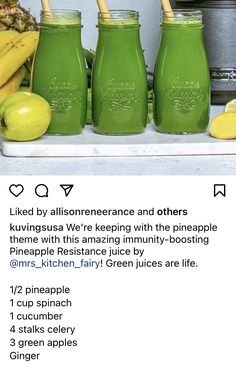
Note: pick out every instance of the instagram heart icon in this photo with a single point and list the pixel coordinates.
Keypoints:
(16, 190)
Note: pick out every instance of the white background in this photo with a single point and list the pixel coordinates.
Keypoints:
(167, 317)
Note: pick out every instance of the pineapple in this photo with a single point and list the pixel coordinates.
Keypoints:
(14, 17)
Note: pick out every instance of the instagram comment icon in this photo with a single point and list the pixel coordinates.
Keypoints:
(41, 191)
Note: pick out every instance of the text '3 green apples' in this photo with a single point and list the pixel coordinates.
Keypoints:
(24, 116)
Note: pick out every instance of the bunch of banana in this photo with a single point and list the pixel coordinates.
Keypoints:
(15, 49)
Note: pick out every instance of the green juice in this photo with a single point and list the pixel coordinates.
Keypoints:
(119, 81)
(182, 82)
(59, 73)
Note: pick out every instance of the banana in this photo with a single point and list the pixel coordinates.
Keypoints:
(13, 84)
(15, 53)
(7, 36)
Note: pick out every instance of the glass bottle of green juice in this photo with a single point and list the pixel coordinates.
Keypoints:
(182, 81)
(59, 73)
(119, 81)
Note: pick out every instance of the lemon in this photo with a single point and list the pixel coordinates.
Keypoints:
(231, 106)
(223, 126)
